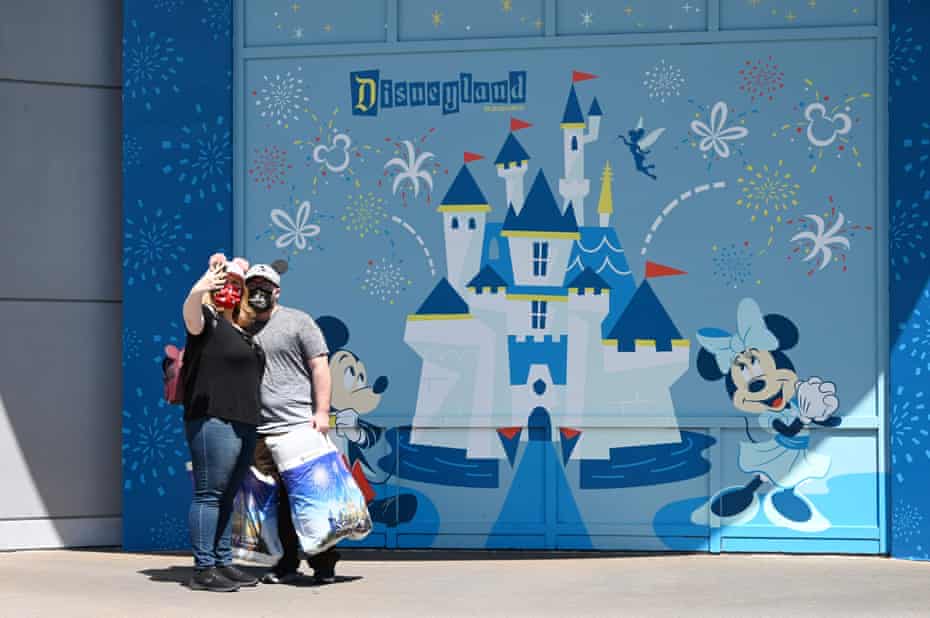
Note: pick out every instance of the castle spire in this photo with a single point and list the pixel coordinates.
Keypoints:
(605, 204)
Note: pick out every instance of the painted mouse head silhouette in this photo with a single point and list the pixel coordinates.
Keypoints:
(759, 375)
(350, 386)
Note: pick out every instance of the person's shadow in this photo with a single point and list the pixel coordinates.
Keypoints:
(180, 575)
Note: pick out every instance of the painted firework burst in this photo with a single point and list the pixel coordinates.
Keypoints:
(908, 437)
(365, 214)
(155, 243)
(217, 18)
(384, 280)
(822, 240)
(918, 147)
(913, 341)
(281, 99)
(761, 79)
(733, 264)
(826, 125)
(170, 533)
(768, 192)
(903, 56)
(331, 151)
(909, 231)
(150, 64)
(270, 166)
(132, 152)
(153, 443)
(907, 521)
(201, 159)
(132, 345)
(663, 81)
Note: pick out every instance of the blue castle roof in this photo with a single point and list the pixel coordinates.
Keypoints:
(487, 278)
(551, 353)
(644, 318)
(443, 300)
(511, 152)
(572, 113)
(595, 109)
(464, 191)
(588, 279)
(540, 212)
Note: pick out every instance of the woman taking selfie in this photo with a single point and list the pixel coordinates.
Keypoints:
(221, 374)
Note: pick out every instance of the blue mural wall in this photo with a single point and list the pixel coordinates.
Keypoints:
(495, 429)
(177, 210)
(909, 142)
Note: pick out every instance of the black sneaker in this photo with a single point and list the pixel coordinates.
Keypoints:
(280, 578)
(211, 580)
(235, 575)
(324, 567)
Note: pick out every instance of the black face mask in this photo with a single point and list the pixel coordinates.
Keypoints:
(261, 300)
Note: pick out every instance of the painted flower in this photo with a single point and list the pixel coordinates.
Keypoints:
(717, 135)
(297, 230)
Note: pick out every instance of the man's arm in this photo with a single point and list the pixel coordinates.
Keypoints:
(322, 389)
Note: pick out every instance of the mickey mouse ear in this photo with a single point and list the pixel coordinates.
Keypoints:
(280, 266)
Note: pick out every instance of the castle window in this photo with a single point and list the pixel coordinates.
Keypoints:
(471, 223)
(540, 259)
(538, 314)
(455, 223)
(574, 142)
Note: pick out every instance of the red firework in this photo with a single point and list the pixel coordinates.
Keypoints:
(269, 167)
(761, 79)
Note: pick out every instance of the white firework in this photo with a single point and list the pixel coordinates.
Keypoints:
(281, 99)
(587, 18)
(823, 239)
(384, 280)
(908, 436)
(411, 169)
(663, 81)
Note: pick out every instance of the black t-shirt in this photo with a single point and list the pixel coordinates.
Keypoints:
(222, 372)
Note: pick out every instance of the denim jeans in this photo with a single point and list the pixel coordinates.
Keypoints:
(221, 453)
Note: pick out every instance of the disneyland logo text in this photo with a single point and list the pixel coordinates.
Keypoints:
(369, 92)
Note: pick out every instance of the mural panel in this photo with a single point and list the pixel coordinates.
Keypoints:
(585, 300)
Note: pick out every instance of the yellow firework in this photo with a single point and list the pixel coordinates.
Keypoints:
(364, 214)
(437, 19)
(768, 192)
(506, 5)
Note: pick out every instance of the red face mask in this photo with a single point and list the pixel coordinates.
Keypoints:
(228, 297)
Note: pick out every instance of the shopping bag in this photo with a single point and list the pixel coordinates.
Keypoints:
(255, 520)
(326, 503)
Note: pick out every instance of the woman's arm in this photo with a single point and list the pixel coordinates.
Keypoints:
(213, 279)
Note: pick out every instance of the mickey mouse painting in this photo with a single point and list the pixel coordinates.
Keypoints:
(363, 442)
(760, 378)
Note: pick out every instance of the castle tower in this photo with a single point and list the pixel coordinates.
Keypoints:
(511, 165)
(588, 306)
(573, 186)
(458, 362)
(605, 203)
(464, 211)
(540, 237)
(644, 354)
(487, 299)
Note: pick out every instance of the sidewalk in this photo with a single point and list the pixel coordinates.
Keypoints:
(409, 584)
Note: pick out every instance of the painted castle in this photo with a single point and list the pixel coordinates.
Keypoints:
(539, 322)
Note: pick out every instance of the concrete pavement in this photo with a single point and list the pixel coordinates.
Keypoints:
(409, 584)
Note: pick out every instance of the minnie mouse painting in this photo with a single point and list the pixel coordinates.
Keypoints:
(760, 378)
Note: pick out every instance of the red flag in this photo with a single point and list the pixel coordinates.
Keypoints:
(471, 156)
(654, 270)
(516, 124)
(580, 76)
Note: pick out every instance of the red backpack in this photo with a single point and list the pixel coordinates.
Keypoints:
(171, 374)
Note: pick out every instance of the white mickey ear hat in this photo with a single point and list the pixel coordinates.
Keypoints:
(235, 268)
(265, 272)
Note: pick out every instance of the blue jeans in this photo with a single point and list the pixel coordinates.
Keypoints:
(221, 453)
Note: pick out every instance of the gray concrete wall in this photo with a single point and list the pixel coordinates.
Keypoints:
(60, 179)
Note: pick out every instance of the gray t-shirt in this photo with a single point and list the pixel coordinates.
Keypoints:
(290, 338)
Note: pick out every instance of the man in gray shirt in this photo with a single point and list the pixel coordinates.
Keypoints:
(295, 392)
